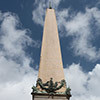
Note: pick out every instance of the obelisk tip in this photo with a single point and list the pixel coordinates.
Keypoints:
(50, 7)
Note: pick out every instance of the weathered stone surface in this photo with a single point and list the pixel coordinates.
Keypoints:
(51, 60)
(48, 97)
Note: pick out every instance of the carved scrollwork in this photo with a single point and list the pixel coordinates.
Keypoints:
(50, 86)
(68, 92)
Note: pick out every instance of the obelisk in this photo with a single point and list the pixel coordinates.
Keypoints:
(51, 80)
(50, 60)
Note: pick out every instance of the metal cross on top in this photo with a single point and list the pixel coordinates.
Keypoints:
(50, 7)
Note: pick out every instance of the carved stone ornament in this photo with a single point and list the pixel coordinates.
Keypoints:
(51, 87)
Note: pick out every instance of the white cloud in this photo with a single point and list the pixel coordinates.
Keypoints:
(79, 78)
(16, 75)
(80, 28)
(13, 38)
(94, 80)
(85, 86)
(62, 15)
(21, 90)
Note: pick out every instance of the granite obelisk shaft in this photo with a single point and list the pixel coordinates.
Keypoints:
(51, 65)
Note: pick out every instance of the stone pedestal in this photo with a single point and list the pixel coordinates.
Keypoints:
(49, 97)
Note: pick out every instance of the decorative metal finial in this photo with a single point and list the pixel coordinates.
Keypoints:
(50, 5)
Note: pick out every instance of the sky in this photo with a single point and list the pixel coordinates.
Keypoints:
(21, 30)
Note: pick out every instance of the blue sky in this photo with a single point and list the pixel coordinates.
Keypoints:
(21, 30)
